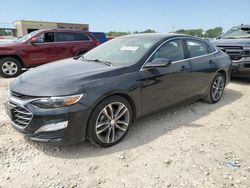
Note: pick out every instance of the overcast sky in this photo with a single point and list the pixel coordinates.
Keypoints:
(131, 15)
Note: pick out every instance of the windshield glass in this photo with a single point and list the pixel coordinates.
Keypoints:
(238, 32)
(28, 36)
(121, 51)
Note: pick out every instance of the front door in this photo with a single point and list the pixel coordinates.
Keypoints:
(41, 52)
(166, 86)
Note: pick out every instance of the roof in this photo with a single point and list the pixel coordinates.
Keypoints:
(7, 26)
(155, 35)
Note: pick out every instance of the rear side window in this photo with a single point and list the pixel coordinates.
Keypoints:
(172, 50)
(61, 37)
(196, 48)
(81, 36)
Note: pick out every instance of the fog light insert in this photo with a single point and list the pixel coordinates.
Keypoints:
(52, 127)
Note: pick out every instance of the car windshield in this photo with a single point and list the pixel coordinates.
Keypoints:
(27, 37)
(121, 51)
(238, 32)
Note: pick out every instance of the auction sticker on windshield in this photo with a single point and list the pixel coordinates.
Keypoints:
(129, 48)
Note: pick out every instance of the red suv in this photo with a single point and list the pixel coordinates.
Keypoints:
(43, 46)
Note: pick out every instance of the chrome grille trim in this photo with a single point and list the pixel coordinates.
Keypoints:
(20, 116)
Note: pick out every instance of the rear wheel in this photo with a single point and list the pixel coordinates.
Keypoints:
(10, 67)
(216, 89)
(110, 121)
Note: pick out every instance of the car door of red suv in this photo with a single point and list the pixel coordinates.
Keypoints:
(64, 44)
(42, 51)
(69, 44)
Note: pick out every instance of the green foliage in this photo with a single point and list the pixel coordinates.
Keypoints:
(214, 33)
(193, 32)
(117, 34)
(210, 33)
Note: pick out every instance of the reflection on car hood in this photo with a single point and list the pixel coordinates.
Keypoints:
(65, 77)
(232, 42)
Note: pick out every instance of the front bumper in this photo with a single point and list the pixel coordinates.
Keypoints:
(241, 68)
(75, 115)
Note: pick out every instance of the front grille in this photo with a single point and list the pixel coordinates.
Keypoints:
(235, 52)
(20, 116)
(21, 96)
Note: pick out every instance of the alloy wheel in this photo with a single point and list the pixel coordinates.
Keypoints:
(218, 87)
(9, 68)
(112, 122)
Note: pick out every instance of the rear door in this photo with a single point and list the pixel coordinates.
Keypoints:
(65, 45)
(69, 44)
(202, 64)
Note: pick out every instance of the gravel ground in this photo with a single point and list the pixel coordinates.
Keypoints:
(189, 146)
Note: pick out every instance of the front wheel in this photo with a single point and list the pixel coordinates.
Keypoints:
(10, 67)
(216, 89)
(110, 121)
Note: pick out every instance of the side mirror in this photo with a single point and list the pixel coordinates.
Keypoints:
(159, 62)
(35, 40)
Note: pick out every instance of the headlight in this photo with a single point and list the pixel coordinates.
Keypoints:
(56, 102)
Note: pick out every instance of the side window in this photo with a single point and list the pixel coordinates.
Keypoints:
(172, 50)
(81, 37)
(62, 37)
(196, 48)
(48, 37)
(211, 49)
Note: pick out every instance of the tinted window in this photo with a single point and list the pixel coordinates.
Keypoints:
(46, 37)
(99, 35)
(81, 36)
(196, 48)
(172, 50)
(211, 49)
(60, 37)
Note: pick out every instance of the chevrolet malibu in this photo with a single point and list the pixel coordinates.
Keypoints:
(99, 95)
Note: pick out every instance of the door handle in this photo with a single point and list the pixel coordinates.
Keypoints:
(184, 69)
(211, 62)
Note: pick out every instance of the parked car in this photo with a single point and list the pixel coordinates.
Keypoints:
(100, 36)
(42, 46)
(99, 95)
(236, 43)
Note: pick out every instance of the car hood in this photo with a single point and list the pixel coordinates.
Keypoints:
(64, 77)
(232, 42)
(7, 43)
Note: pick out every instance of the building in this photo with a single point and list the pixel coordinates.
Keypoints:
(7, 29)
(22, 27)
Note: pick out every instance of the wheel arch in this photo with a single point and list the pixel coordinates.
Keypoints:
(224, 73)
(14, 56)
(120, 94)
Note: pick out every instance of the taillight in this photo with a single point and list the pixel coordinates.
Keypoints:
(97, 43)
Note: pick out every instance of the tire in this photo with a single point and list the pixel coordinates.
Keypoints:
(216, 89)
(101, 127)
(10, 67)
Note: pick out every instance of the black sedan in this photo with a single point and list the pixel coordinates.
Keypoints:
(99, 95)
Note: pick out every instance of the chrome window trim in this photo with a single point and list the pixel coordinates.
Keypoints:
(175, 38)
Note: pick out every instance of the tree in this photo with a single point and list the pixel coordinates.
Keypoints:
(193, 32)
(214, 33)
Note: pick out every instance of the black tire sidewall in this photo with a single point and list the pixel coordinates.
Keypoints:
(92, 136)
(14, 60)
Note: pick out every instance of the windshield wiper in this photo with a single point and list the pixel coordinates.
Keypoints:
(99, 61)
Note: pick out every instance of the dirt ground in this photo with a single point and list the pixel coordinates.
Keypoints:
(196, 145)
